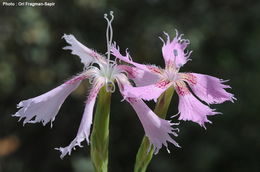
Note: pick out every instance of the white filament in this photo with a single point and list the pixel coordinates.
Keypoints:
(109, 34)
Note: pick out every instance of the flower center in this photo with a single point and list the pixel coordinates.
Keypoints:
(171, 74)
(108, 72)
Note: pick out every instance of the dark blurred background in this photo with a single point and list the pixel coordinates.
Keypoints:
(224, 38)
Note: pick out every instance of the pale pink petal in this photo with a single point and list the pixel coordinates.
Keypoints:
(45, 107)
(85, 125)
(174, 51)
(190, 108)
(139, 76)
(158, 130)
(148, 92)
(127, 58)
(208, 88)
(86, 55)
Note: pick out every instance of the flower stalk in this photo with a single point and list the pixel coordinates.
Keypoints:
(100, 133)
(144, 155)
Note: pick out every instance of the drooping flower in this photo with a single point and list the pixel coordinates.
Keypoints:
(152, 81)
(101, 71)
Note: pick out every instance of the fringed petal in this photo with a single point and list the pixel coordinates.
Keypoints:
(190, 108)
(149, 92)
(115, 51)
(208, 88)
(45, 107)
(86, 55)
(158, 130)
(85, 125)
(139, 76)
(174, 51)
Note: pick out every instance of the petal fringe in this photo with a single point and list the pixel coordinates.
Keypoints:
(191, 109)
(86, 55)
(45, 107)
(174, 51)
(210, 89)
(85, 124)
(158, 130)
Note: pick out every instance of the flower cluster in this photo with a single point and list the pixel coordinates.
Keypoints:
(101, 71)
(150, 82)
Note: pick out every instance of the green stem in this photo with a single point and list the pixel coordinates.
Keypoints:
(100, 132)
(143, 157)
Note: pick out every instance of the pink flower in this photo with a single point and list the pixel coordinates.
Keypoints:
(152, 81)
(101, 71)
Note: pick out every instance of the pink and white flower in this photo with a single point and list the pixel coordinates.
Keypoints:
(101, 71)
(152, 81)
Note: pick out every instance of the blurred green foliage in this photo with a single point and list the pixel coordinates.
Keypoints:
(225, 39)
